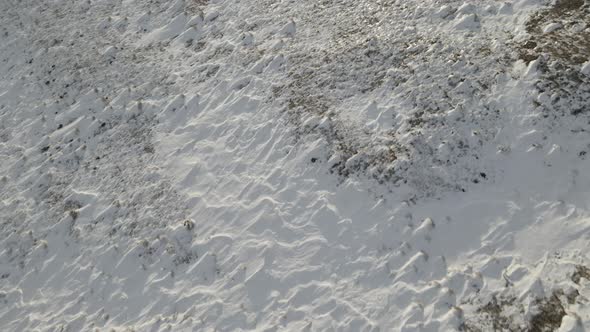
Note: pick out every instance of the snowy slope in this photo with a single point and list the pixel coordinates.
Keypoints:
(294, 165)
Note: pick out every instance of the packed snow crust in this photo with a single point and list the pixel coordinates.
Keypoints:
(294, 165)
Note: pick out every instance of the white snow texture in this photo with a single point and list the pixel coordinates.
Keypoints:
(282, 165)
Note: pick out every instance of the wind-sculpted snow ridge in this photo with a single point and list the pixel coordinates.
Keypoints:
(294, 165)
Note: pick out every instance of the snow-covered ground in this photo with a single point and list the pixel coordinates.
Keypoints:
(272, 165)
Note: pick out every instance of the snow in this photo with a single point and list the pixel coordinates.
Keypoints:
(552, 27)
(253, 165)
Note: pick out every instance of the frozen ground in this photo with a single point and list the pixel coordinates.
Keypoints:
(294, 165)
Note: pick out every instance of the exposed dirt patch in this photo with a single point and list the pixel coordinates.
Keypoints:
(195, 6)
(374, 87)
(563, 31)
(507, 314)
(551, 312)
(559, 38)
(581, 272)
(493, 317)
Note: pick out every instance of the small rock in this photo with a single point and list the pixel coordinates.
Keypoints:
(529, 45)
(189, 224)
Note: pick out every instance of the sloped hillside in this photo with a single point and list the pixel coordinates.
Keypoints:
(268, 165)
